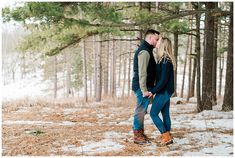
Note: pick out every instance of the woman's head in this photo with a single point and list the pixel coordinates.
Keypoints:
(165, 49)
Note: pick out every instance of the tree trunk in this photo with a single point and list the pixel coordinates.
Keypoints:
(190, 59)
(95, 67)
(214, 70)
(106, 72)
(113, 68)
(68, 75)
(99, 89)
(185, 64)
(221, 67)
(120, 67)
(84, 68)
(124, 80)
(198, 58)
(189, 67)
(176, 55)
(55, 76)
(129, 72)
(208, 59)
(193, 77)
(228, 93)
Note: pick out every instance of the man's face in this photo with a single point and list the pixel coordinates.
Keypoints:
(155, 39)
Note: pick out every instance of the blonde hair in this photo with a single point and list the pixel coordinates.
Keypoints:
(165, 51)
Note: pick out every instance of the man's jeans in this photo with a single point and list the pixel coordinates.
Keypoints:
(140, 110)
(161, 102)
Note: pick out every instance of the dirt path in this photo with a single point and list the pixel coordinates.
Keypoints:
(46, 128)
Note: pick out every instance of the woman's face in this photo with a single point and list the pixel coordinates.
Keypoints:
(158, 43)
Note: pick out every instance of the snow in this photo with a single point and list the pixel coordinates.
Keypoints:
(32, 86)
(105, 145)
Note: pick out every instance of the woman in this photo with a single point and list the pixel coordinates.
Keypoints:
(163, 89)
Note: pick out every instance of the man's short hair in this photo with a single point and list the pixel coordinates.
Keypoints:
(151, 31)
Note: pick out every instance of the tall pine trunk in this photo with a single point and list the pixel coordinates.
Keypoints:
(214, 70)
(192, 89)
(184, 71)
(113, 69)
(189, 68)
(55, 77)
(68, 74)
(198, 57)
(106, 72)
(129, 71)
(208, 58)
(84, 68)
(221, 68)
(98, 84)
(95, 67)
(228, 94)
(176, 55)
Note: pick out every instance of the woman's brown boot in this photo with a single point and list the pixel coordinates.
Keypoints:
(166, 139)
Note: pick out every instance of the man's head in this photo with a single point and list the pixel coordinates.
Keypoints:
(152, 36)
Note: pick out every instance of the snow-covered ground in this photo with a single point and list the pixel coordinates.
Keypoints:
(76, 129)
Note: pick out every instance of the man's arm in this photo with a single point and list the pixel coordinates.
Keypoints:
(143, 60)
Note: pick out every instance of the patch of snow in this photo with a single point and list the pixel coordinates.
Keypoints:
(22, 122)
(69, 148)
(193, 100)
(113, 135)
(219, 150)
(105, 145)
(211, 114)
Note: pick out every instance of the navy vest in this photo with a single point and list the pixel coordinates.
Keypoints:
(151, 68)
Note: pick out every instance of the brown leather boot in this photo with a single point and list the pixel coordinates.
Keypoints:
(166, 139)
(170, 135)
(145, 136)
(138, 137)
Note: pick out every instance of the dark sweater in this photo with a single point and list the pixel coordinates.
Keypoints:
(151, 69)
(164, 77)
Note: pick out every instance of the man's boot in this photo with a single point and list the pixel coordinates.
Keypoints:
(145, 136)
(138, 137)
(166, 139)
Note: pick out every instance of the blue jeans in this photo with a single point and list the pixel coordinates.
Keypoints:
(140, 110)
(161, 103)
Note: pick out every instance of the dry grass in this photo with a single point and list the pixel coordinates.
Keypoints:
(89, 123)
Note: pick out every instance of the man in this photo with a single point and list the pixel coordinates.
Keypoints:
(143, 80)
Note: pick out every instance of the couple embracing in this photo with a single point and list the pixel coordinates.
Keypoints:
(153, 78)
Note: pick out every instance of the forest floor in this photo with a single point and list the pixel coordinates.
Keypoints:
(74, 128)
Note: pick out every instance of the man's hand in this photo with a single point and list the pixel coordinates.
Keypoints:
(147, 94)
(150, 95)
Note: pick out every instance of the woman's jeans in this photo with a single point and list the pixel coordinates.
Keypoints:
(140, 110)
(161, 103)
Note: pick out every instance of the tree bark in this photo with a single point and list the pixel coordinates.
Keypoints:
(129, 71)
(185, 64)
(208, 59)
(106, 72)
(99, 89)
(68, 74)
(189, 68)
(228, 94)
(197, 6)
(55, 76)
(193, 77)
(95, 67)
(113, 68)
(84, 68)
(214, 70)
(221, 67)
(176, 56)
